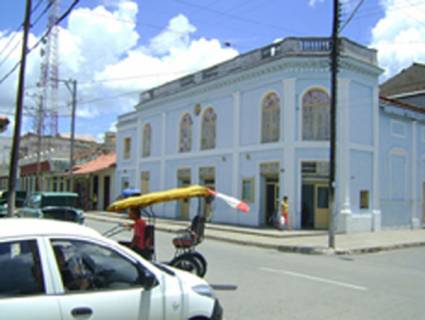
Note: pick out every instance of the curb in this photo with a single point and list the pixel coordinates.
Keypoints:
(312, 250)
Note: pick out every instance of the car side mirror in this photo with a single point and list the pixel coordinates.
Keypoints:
(147, 278)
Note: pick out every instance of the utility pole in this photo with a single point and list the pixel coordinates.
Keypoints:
(333, 115)
(71, 153)
(40, 130)
(14, 157)
(72, 87)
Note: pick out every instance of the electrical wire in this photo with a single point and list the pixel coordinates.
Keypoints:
(58, 21)
(7, 55)
(378, 10)
(234, 17)
(36, 6)
(351, 16)
(36, 20)
(11, 39)
(10, 52)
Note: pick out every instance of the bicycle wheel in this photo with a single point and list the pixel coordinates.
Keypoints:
(202, 262)
(187, 263)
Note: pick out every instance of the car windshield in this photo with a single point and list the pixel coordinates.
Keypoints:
(19, 197)
(63, 201)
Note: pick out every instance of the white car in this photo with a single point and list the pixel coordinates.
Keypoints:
(61, 270)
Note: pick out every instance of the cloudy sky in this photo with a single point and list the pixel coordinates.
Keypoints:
(115, 49)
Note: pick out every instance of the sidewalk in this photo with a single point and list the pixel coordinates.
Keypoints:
(299, 241)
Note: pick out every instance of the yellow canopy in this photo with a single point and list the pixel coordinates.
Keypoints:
(160, 196)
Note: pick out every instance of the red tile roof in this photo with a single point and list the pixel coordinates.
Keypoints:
(102, 162)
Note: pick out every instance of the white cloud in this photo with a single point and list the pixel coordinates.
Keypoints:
(399, 36)
(99, 46)
(169, 55)
(175, 36)
(312, 3)
(113, 127)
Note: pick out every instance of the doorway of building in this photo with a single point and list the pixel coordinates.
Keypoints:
(307, 206)
(315, 195)
(184, 204)
(271, 197)
(315, 207)
(183, 180)
(321, 209)
(207, 179)
(95, 193)
(106, 191)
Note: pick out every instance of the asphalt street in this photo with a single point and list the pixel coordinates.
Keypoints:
(256, 283)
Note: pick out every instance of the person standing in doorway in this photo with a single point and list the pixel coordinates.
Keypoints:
(94, 201)
(284, 207)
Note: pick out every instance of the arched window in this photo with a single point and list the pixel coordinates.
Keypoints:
(147, 139)
(185, 144)
(316, 115)
(270, 118)
(208, 131)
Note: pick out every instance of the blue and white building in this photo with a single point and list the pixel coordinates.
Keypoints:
(257, 127)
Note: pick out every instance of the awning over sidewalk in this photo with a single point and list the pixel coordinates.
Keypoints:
(102, 162)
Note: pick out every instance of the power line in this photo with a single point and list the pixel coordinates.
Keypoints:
(15, 35)
(351, 16)
(36, 20)
(10, 51)
(58, 21)
(378, 10)
(9, 42)
(36, 6)
(144, 76)
(118, 96)
(234, 17)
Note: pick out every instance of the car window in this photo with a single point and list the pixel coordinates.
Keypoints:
(85, 266)
(34, 201)
(59, 200)
(20, 269)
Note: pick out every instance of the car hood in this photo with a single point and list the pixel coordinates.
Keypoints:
(188, 278)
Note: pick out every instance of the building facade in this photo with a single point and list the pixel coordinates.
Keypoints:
(258, 127)
(402, 164)
(407, 86)
(94, 181)
(5, 149)
(51, 166)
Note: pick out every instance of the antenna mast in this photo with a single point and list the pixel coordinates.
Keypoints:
(50, 74)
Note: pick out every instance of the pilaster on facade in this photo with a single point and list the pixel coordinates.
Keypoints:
(289, 121)
(376, 206)
(415, 219)
(138, 152)
(236, 141)
(343, 180)
(163, 145)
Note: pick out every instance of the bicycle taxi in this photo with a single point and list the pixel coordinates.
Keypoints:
(186, 256)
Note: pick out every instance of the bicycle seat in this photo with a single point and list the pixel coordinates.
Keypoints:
(185, 241)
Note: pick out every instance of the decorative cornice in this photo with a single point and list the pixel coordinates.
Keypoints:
(296, 64)
(122, 122)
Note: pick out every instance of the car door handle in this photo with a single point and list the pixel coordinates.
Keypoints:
(82, 311)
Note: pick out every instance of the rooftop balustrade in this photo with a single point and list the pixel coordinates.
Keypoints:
(289, 47)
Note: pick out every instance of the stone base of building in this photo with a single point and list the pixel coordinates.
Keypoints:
(347, 222)
(416, 223)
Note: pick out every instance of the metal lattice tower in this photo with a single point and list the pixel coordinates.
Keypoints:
(47, 117)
